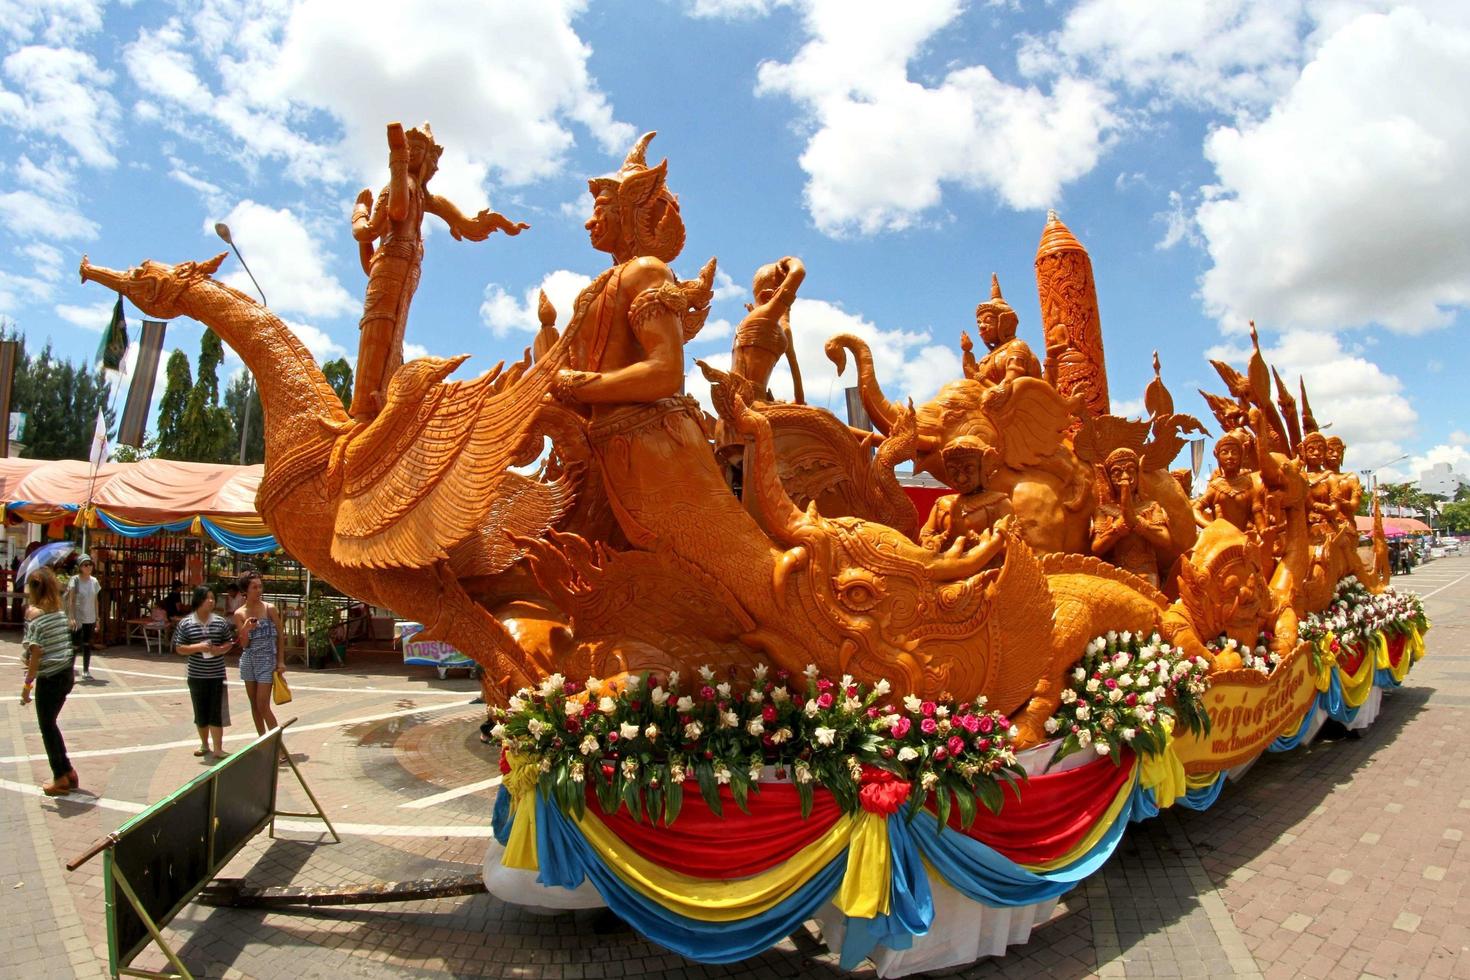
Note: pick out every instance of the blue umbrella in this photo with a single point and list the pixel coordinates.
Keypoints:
(48, 554)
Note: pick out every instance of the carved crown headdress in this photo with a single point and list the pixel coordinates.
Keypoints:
(648, 211)
(1005, 317)
(425, 138)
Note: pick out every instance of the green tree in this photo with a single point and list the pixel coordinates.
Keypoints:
(239, 389)
(1456, 517)
(60, 400)
(339, 375)
(176, 387)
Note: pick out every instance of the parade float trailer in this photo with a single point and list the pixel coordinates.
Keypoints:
(726, 713)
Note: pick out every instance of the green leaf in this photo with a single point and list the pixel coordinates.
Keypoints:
(966, 801)
(740, 788)
(709, 787)
(990, 794)
(673, 803)
(941, 801)
(632, 799)
(804, 790)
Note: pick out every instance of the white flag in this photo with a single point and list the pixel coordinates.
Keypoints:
(99, 440)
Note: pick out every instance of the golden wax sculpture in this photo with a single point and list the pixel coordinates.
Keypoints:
(655, 537)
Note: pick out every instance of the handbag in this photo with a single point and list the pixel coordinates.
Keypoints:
(280, 690)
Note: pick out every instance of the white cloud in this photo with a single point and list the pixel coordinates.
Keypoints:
(318, 341)
(1365, 405)
(505, 314)
(47, 259)
(714, 331)
(883, 145)
(1179, 224)
(501, 83)
(93, 316)
(287, 261)
(54, 21)
(726, 288)
(1227, 55)
(412, 352)
(63, 95)
(212, 194)
(17, 291)
(28, 214)
(1413, 468)
(1345, 206)
(734, 9)
(1128, 408)
(1459, 438)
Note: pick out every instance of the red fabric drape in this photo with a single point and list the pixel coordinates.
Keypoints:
(1053, 814)
(1350, 658)
(1396, 644)
(733, 846)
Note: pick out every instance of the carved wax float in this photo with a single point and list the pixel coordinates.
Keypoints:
(637, 556)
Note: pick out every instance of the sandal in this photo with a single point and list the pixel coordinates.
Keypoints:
(199, 753)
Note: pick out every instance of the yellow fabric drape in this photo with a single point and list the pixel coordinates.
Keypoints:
(1357, 687)
(865, 886)
(1416, 642)
(1164, 773)
(520, 782)
(708, 899)
(1326, 661)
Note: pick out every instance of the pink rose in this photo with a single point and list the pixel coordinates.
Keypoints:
(985, 725)
(824, 685)
(824, 700)
(1110, 684)
(900, 728)
(983, 745)
(940, 754)
(970, 723)
(707, 693)
(927, 708)
(928, 726)
(956, 745)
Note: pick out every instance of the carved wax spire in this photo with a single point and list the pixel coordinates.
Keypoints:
(1068, 296)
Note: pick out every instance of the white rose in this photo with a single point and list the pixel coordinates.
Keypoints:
(536, 727)
(1125, 638)
(811, 708)
(912, 703)
(853, 704)
(685, 704)
(1068, 696)
(515, 704)
(1115, 695)
(1084, 738)
(825, 736)
(760, 672)
(1079, 675)
(755, 697)
(780, 695)
(673, 680)
(651, 732)
(693, 730)
(1051, 726)
(811, 672)
(660, 696)
(907, 754)
(628, 729)
(781, 735)
(1129, 734)
(1149, 697)
(593, 685)
(1101, 748)
(882, 688)
(941, 711)
(1083, 712)
(1126, 680)
(498, 731)
(723, 689)
(1093, 684)
(589, 745)
(607, 705)
(573, 708)
(552, 684)
(755, 727)
(729, 720)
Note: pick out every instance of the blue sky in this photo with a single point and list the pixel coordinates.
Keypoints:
(1300, 163)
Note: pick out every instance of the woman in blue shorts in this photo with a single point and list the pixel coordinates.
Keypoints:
(258, 631)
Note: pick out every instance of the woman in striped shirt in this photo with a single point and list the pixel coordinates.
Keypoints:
(205, 639)
(49, 657)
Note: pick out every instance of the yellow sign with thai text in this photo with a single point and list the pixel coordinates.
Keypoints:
(1247, 711)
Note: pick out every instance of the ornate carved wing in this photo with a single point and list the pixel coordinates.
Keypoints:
(428, 472)
(1032, 417)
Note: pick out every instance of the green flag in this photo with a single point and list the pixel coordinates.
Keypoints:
(114, 340)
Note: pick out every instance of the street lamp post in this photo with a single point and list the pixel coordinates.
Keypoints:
(223, 231)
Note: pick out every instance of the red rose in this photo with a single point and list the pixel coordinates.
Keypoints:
(768, 713)
(574, 725)
(824, 700)
(707, 693)
(824, 685)
(983, 745)
(956, 745)
(927, 709)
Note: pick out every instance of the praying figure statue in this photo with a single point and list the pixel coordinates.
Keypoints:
(764, 336)
(1234, 493)
(395, 223)
(1128, 529)
(974, 514)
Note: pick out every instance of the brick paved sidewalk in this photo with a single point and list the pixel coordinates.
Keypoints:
(1343, 859)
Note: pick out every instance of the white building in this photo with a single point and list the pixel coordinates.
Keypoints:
(1440, 479)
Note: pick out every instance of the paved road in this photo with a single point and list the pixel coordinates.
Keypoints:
(1347, 858)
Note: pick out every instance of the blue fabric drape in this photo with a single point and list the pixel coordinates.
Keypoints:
(910, 902)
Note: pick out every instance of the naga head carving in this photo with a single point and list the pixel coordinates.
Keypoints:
(153, 287)
(634, 212)
(891, 608)
(1222, 585)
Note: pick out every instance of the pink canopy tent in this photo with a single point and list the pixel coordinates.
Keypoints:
(1395, 527)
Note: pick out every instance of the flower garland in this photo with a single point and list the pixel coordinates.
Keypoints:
(1122, 691)
(1260, 657)
(1355, 614)
(638, 741)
